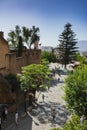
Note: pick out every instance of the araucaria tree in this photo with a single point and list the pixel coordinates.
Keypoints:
(67, 46)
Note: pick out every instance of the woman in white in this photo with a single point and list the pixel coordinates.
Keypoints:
(16, 118)
(6, 111)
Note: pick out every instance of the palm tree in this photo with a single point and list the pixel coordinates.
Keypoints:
(18, 34)
(14, 36)
(26, 35)
(12, 39)
(35, 36)
(17, 30)
(30, 35)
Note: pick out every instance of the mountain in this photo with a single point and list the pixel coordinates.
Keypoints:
(82, 45)
(47, 48)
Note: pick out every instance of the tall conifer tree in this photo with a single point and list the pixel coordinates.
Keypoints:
(67, 45)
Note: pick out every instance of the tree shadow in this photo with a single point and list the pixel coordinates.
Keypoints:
(61, 72)
(24, 123)
(43, 113)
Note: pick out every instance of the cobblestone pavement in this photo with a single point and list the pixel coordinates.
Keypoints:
(53, 98)
(41, 118)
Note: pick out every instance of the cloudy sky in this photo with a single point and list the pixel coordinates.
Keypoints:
(49, 15)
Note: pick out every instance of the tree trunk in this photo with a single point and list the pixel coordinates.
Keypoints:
(65, 66)
(31, 96)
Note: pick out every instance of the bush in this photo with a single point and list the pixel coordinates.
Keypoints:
(49, 56)
(73, 124)
(76, 90)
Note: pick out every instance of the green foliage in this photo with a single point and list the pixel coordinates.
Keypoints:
(67, 46)
(29, 36)
(76, 90)
(34, 76)
(73, 124)
(80, 58)
(55, 129)
(11, 39)
(44, 61)
(12, 79)
(49, 56)
(34, 35)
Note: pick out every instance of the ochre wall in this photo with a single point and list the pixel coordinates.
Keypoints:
(28, 57)
(4, 49)
(5, 93)
(10, 64)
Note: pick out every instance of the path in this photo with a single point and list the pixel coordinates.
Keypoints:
(53, 98)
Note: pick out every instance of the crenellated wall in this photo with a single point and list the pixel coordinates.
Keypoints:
(28, 57)
(10, 63)
(13, 64)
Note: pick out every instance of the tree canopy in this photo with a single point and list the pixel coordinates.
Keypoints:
(34, 76)
(28, 35)
(49, 56)
(76, 90)
(80, 58)
(67, 46)
(73, 124)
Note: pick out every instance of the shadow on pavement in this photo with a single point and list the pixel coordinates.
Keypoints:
(25, 122)
(43, 113)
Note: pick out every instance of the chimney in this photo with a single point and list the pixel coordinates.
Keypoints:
(2, 33)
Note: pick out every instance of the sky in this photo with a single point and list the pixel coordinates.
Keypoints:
(49, 15)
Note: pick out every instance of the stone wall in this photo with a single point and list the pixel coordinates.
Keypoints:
(3, 51)
(10, 63)
(13, 64)
(28, 57)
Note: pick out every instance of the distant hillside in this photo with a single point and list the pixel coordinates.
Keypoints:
(82, 45)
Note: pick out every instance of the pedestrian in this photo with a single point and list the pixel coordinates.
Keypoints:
(4, 113)
(43, 97)
(16, 117)
(58, 79)
(0, 123)
(82, 119)
(53, 113)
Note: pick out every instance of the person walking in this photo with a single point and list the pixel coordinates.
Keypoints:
(0, 123)
(58, 79)
(82, 118)
(4, 113)
(16, 117)
(53, 113)
(43, 97)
